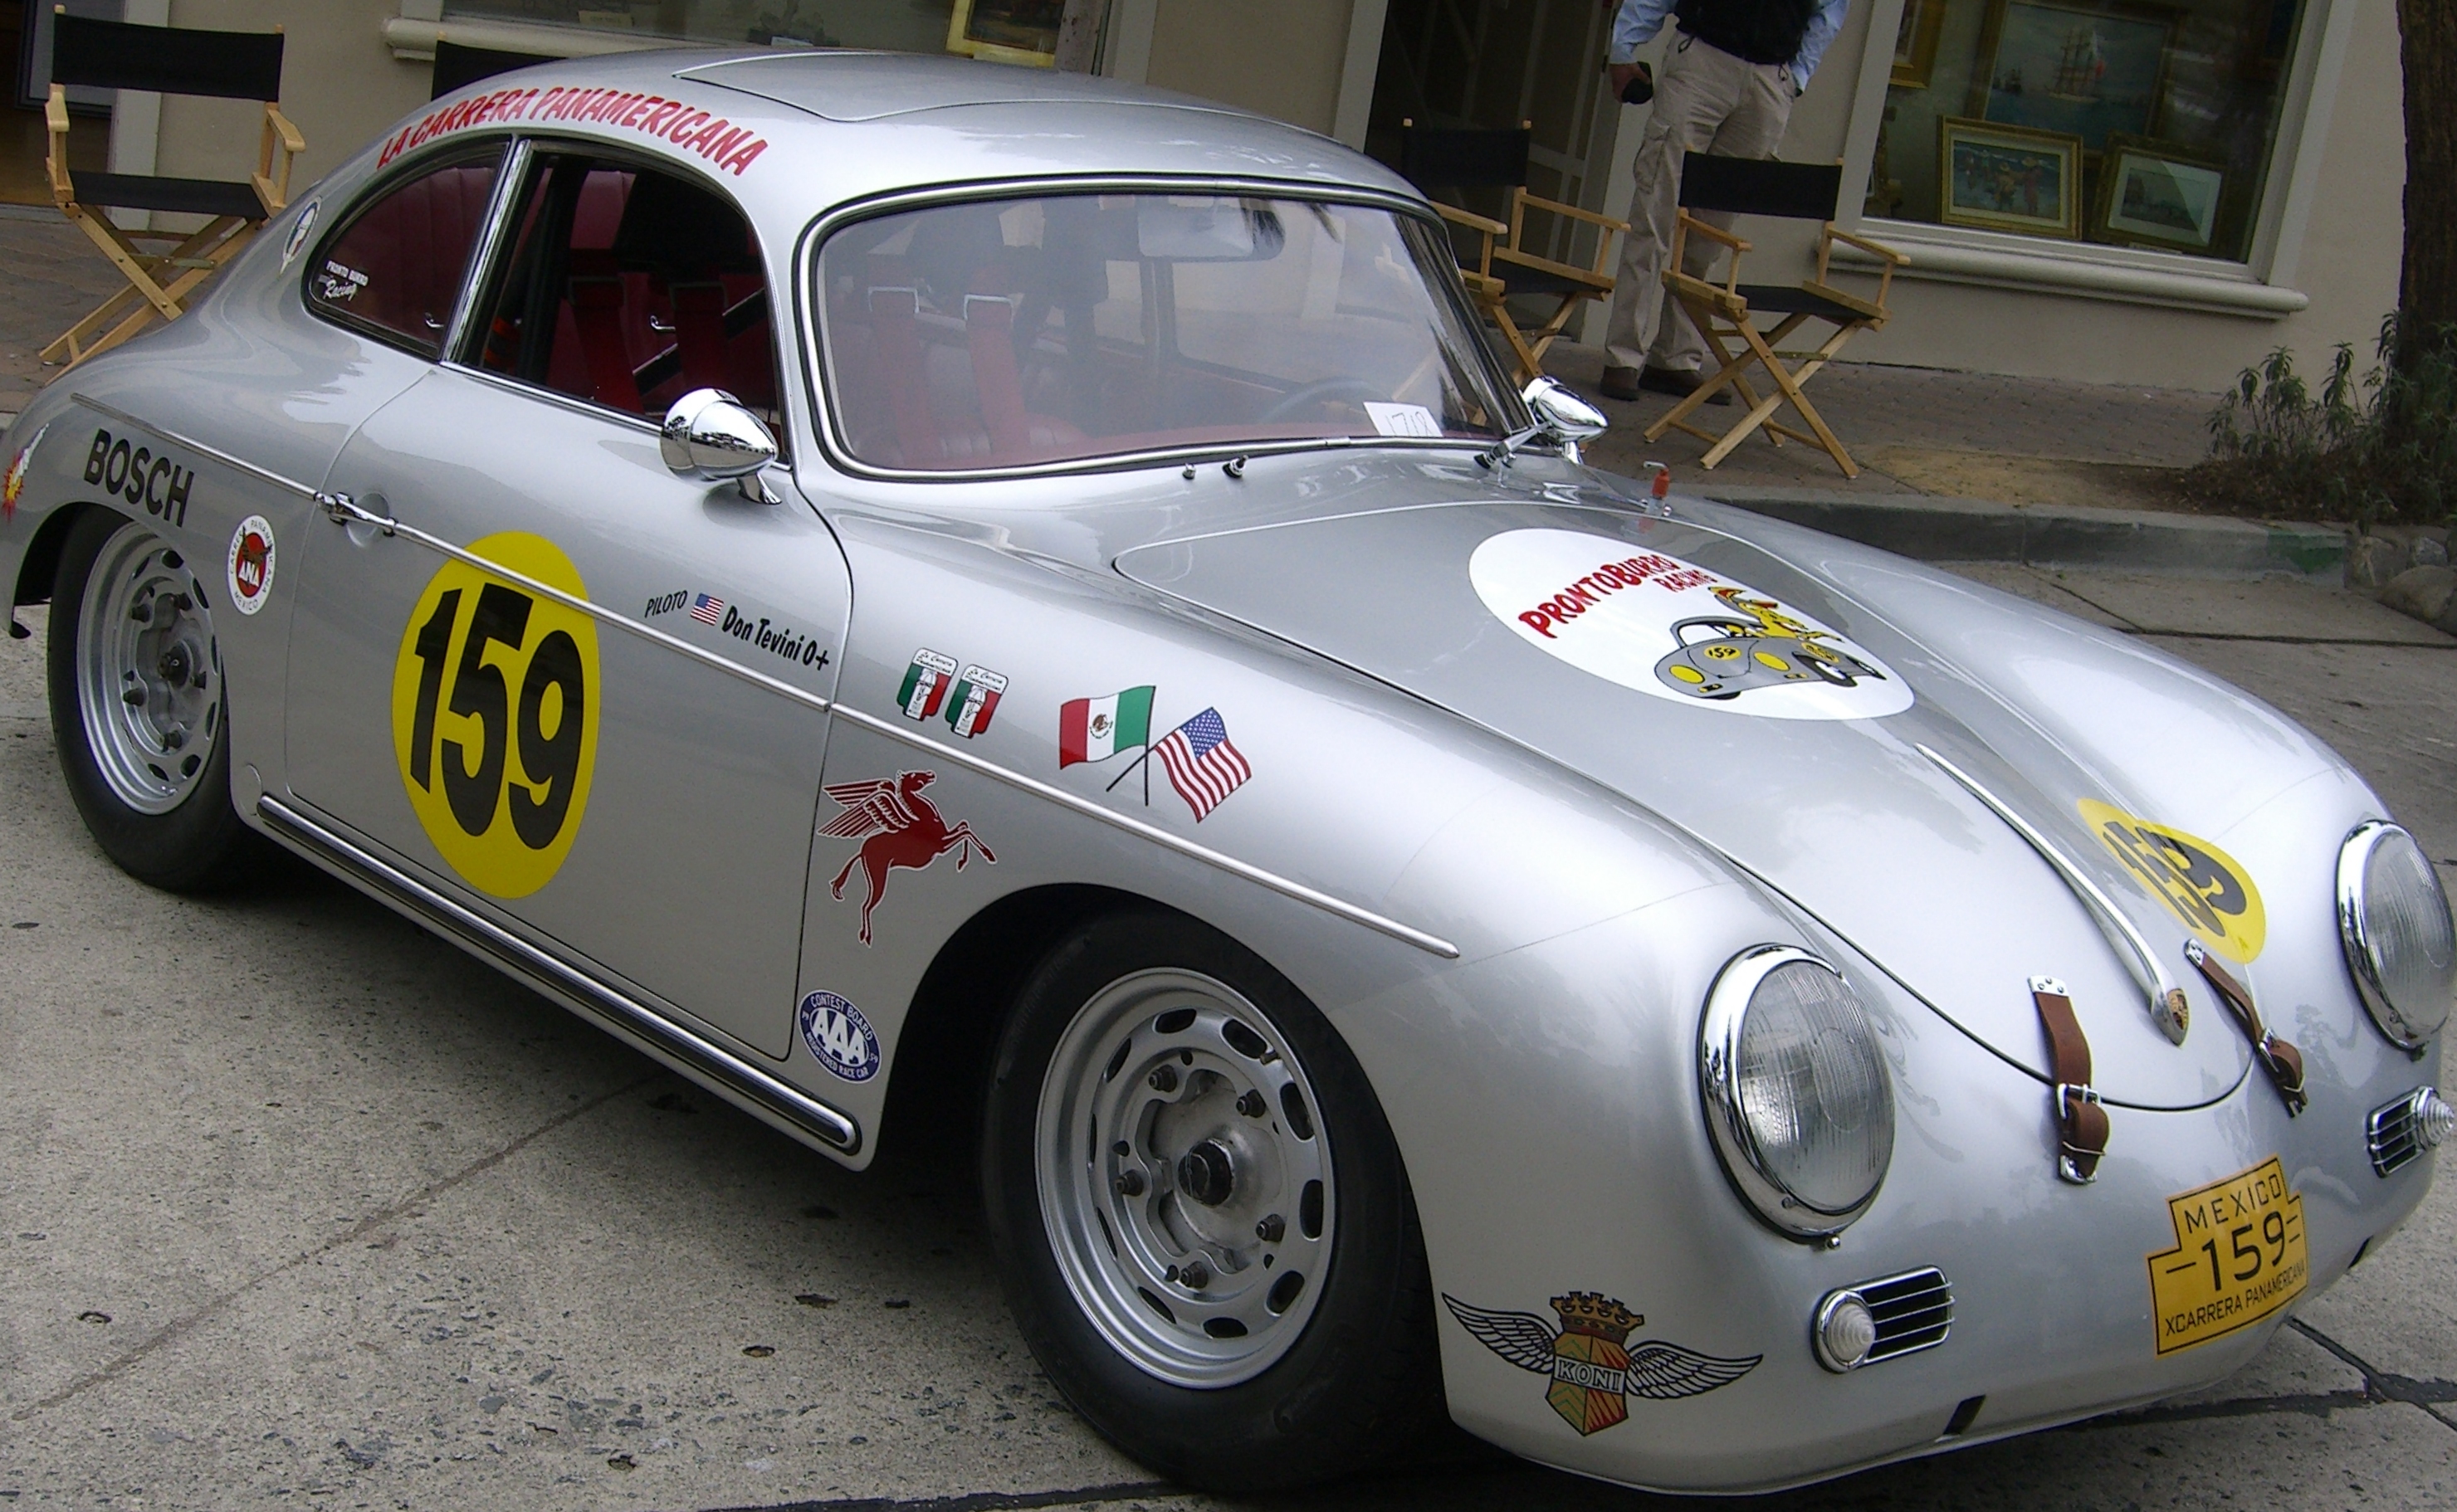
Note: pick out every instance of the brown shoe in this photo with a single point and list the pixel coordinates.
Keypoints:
(1620, 382)
(1679, 385)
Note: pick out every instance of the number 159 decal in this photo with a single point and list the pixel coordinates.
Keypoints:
(494, 715)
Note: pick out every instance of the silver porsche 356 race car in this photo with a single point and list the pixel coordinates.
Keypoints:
(850, 569)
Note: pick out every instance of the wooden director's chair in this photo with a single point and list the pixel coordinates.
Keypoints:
(121, 55)
(1724, 313)
(1472, 157)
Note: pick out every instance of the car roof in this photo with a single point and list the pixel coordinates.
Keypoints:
(828, 127)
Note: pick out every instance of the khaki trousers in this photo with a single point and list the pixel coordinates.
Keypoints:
(1705, 101)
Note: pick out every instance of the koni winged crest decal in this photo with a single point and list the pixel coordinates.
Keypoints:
(1593, 1371)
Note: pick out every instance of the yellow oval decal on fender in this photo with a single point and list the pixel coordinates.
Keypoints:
(494, 715)
(2199, 884)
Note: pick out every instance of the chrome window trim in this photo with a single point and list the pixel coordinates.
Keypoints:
(1727, 1125)
(812, 331)
(2354, 858)
(493, 241)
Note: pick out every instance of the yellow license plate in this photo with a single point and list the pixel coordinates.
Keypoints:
(2239, 1257)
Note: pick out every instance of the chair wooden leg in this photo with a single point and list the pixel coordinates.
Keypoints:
(69, 344)
(218, 241)
(1789, 383)
(124, 256)
(1707, 331)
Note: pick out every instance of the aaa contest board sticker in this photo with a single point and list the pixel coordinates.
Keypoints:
(494, 715)
(2199, 884)
(1677, 630)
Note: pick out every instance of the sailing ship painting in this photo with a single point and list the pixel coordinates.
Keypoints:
(2084, 70)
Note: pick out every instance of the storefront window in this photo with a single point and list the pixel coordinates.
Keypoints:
(2124, 122)
(904, 26)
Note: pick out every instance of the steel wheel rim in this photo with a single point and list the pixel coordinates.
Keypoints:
(148, 671)
(1162, 1063)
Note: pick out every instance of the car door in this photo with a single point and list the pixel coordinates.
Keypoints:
(586, 724)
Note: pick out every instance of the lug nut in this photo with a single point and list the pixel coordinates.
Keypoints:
(174, 739)
(1131, 1183)
(1271, 1228)
(141, 613)
(1164, 1078)
(1195, 1277)
(1249, 1102)
(133, 697)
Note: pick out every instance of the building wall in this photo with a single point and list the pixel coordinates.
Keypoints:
(340, 84)
(2348, 267)
(1281, 58)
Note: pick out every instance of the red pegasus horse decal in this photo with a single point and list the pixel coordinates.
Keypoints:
(896, 828)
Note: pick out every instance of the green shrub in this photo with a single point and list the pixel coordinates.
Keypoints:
(2381, 449)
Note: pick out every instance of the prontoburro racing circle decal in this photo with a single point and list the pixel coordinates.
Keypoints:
(494, 715)
(1671, 628)
(2201, 885)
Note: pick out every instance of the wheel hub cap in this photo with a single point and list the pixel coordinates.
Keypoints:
(146, 661)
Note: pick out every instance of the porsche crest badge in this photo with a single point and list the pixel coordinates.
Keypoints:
(1593, 1370)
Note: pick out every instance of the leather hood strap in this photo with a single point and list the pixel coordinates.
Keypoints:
(2280, 1059)
(2081, 1123)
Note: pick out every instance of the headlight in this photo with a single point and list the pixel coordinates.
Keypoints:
(1798, 1100)
(2400, 945)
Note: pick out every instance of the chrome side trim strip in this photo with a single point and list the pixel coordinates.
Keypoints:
(704, 1058)
(340, 509)
(261, 475)
(2166, 996)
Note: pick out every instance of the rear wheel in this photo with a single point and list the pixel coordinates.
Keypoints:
(138, 709)
(1201, 1220)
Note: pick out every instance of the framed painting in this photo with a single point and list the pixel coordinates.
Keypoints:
(2087, 68)
(1006, 30)
(2155, 193)
(2009, 178)
(1915, 42)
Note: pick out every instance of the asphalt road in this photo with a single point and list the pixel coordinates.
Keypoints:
(301, 1207)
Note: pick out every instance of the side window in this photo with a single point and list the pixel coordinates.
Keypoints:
(395, 269)
(630, 288)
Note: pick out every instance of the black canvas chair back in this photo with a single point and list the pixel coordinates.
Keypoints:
(123, 56)
(1435, 157)
(458, 66)
(1760, 186)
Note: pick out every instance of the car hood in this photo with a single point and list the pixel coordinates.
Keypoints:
(1760, 699)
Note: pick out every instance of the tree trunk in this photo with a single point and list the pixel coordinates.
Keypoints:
(1079, 34)
(2427, 300)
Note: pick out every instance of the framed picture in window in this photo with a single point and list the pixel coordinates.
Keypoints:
(2084, 67)
(2009, 178)
(1915, 42)
(1006, 30)
(2155, 193)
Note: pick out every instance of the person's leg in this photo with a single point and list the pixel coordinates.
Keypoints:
(1761, 97)
(1690, 102)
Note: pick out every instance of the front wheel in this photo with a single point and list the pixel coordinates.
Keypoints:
(1200, 1219)
(137, 707)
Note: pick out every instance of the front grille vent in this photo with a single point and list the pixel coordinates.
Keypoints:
(1914, 1311)
(2398, 1132)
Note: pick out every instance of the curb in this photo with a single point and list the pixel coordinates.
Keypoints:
(1935, 529)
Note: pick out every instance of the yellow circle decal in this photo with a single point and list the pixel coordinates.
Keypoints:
(2199, 884)
(494, 715)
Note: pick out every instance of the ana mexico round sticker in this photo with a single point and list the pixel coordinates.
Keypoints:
(1676, 630)
(248, 571)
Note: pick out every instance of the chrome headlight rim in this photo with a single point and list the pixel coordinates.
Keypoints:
(1736, 1144)
(2363, 962)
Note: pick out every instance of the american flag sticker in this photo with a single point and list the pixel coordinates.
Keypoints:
(974, 699)
(1201, 763)
(926, 683)
(707, 610)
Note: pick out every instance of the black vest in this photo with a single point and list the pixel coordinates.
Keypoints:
(1759, 31)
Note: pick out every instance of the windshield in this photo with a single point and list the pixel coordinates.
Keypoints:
(1067, 327)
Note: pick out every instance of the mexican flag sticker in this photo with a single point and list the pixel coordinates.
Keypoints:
(1094, 729)
(1677, 630)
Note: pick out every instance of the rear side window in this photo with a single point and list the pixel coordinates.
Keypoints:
(394, 270)
(630, 288)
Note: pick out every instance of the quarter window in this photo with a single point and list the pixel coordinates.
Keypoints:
(394, 270)
(630, 288)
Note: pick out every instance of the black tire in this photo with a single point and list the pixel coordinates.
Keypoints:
(200, 845)
(1362, 1379)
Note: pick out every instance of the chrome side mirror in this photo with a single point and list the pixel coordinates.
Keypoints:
(709, 436)
(1565, 417)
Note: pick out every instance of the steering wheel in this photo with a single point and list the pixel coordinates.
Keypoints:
(1296, 399)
